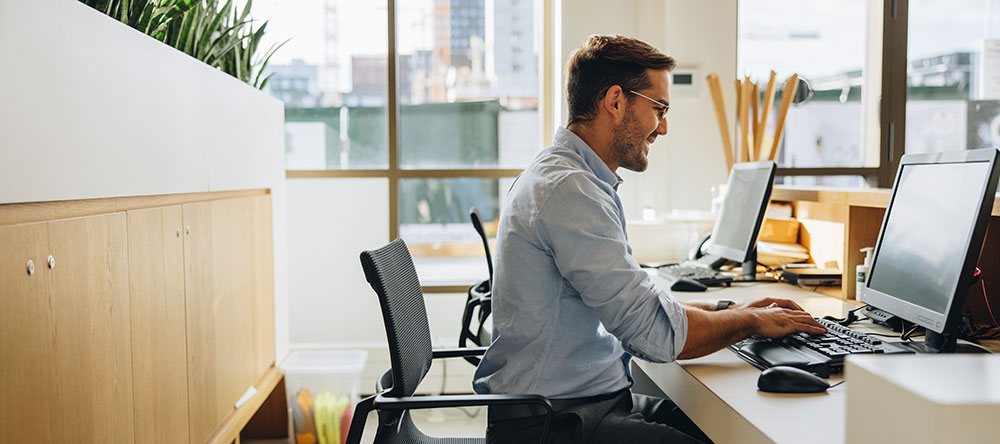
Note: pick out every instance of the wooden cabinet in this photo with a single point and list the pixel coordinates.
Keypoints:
(25, 336)
(262, 271)
(159, 345)
(229, 305)
(66, 341)
(151, 324)
(91, 355)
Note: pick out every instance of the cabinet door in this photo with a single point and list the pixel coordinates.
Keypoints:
(219, 310)
(91, 355)
(159, 344)
(25, 336)
(262, 258)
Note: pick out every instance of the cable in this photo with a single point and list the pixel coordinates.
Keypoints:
(846, 320)
(834, 385)
(987, 299)
(656, 267)
(766, 267)
(905, 336)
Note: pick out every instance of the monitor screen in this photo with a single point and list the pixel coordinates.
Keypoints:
(747, 194)
(929, 234)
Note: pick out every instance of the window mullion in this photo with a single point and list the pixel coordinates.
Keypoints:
(392, 102)
(893, 107)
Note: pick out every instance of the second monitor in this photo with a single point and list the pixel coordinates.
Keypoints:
(734, 237)
(735, 234)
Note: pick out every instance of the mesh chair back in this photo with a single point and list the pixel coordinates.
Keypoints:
(391, 274)
(477, 223)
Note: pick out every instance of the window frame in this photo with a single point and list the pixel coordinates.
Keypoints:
(892, 118)
(394, 173)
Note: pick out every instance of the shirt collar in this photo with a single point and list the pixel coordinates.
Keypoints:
(568, 139)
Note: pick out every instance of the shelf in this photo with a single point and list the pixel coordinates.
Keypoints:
(872, 198)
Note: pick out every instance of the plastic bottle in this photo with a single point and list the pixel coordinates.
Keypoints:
(862, 272)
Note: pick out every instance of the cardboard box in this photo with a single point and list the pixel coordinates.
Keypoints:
(780, 230)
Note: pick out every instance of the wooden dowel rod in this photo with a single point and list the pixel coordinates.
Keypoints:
(791, 85)
(754, 104)
(765, 112)
(715, 87)
(744, 120)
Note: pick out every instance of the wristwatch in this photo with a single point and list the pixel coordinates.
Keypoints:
(722, 305)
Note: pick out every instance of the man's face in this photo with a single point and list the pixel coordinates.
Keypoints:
(642, 124)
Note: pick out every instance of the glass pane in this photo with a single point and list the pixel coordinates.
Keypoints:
(333, 84)
(435, 223)
(823, 41)
(468, 75)
(953, 75)
(823, 181)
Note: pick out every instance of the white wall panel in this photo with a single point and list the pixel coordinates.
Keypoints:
(330, 221)
(686, 162)
(91, 108)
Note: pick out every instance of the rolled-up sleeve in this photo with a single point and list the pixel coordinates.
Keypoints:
(582, 226)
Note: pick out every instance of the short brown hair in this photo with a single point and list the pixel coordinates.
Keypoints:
(604, 61)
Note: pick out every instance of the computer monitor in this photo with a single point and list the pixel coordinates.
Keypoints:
(747, 193)
(930, 240)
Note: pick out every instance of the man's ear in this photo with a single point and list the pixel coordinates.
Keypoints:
(614, 102)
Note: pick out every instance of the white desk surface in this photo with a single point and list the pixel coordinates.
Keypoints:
(719, 391)
(958, 379)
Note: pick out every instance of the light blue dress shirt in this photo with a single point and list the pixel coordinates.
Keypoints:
(570, 304)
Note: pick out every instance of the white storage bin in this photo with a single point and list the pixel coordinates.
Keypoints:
(322, 388)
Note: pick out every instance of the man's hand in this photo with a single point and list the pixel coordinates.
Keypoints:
(775, 321)
(709, 331)
(770, 302)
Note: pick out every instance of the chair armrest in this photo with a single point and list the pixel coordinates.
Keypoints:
(458, 352)
(433, 402)
(358, 420)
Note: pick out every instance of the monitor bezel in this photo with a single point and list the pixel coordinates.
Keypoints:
(732, 253)
(929, 319)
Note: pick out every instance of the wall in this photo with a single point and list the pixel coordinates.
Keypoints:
(701, 35)
(91, 108)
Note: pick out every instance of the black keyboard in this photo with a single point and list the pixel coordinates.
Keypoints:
(698, 273)
(819, 354)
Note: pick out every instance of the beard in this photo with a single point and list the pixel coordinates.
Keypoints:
(627, 146)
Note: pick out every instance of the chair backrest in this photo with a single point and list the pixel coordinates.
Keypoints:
(478, 224)
(390, 272)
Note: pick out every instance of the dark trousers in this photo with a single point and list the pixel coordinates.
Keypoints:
(621, 417)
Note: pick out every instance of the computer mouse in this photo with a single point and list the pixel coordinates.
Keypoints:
(785, 379)
(687, 285)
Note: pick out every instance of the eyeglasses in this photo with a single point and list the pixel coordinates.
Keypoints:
(660, 110)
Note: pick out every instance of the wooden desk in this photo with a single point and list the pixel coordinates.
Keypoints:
(719, 391)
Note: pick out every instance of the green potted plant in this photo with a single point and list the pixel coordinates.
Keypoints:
(221, 36)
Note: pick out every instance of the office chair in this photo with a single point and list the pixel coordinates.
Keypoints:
(390, 272)
(478, 302)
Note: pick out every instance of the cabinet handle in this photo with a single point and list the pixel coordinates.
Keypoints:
(187, 229)
(31, 267)
(178, 232)
(52, 262)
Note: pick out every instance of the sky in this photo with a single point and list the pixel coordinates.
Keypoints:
(362, 27)
(831, 33)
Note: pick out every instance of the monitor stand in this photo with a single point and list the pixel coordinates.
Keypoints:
(934, 343)
(749, 270)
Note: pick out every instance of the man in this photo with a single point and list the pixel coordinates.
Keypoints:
(570, 304)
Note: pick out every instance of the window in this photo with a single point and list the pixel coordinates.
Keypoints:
(451, 131)
(825, 43)
(953, 67)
